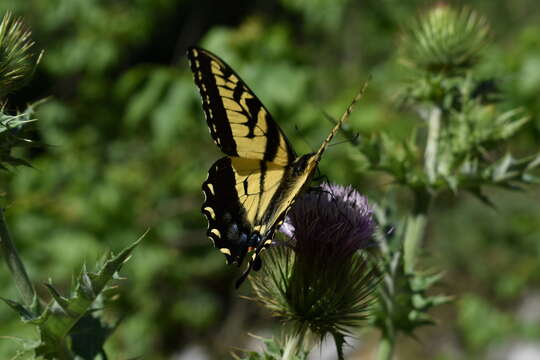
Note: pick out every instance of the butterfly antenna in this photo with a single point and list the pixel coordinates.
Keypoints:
(343, 118)
(353, 140)
(351, 136)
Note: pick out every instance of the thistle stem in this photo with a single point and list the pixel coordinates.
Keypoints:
(414, 233)
(430, 155)
(15, 264)
(386, 348)
(415, 225)
(386, 298)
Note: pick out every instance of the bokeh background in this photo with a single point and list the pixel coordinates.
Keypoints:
(125, 148)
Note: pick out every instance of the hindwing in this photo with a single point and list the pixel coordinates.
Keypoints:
(243, 203)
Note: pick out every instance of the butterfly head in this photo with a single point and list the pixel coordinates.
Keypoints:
(305, 164)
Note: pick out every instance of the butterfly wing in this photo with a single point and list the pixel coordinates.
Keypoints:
(238, 122)
(246, 201)
(243, 204)
(245, 192)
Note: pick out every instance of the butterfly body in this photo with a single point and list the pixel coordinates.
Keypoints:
(249, 191)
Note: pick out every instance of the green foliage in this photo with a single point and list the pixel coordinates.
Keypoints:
(495, 324)
(127, 148)
(465, 131)
(460, 151)
(319, 14)
(511, 246)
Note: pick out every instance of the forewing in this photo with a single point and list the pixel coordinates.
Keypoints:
(238, 122)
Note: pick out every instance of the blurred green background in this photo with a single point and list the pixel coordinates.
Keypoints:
(126, 149)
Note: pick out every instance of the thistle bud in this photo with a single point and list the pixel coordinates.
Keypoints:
(444, 40)
(17, 63)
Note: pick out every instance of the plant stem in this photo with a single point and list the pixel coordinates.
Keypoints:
(415, 226)
(386, 348)
(386, 296)
(430, 155)
(15, 265)
(414, 233)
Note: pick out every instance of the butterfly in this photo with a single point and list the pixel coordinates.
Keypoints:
(249, 191)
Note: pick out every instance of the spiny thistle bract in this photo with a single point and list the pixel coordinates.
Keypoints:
(444, 40)
(13, 129)
(17, 62)
(320, 281)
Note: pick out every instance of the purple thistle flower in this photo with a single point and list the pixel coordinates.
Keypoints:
(321, 282)
(330, 224)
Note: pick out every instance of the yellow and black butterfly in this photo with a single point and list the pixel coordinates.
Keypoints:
(249, 191)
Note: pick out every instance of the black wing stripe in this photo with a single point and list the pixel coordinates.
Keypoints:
(255, 108)
(273, 142)
(215, 112)
(261, 186)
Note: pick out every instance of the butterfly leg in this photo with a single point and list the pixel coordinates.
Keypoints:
(255, 263)
(244, 276)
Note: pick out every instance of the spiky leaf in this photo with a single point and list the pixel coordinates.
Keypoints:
(68, 325)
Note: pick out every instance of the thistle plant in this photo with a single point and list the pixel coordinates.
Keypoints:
(319, 281)
(17, 65)
(68, 327)
(462, 150)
